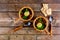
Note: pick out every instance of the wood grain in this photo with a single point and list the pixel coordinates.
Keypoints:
(35, 7)
(46, 37)
(29, 2)
(9, 11)
(52, 1)
(20, 1)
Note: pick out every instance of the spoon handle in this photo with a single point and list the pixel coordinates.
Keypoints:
(50, 18)
(50, 29)
(16, 29)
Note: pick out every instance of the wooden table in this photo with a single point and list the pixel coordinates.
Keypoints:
(9, 11)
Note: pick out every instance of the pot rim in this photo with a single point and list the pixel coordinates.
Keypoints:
(28, 8)
(35, 21)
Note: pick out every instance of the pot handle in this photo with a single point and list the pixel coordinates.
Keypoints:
(16, 29)
(47, 32)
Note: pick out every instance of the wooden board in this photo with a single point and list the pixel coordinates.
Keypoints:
(9, 11)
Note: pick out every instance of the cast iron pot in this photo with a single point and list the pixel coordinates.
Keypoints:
(46, 24)
(31, 11)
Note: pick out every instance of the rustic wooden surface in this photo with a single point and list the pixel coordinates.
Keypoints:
(9, 11)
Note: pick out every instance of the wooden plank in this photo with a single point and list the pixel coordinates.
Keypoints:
(20, 2)
(3, 7)
(19, 37)
(56, 17)
(46, 37)
(3, 1)
(52, 1)
(29, 2)
(5, 19)
(25, 1)
(16, 7)
(4, 30)
(28, 31)
(55, 7)
(3, 37)
(4, 15)
(35, 7)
